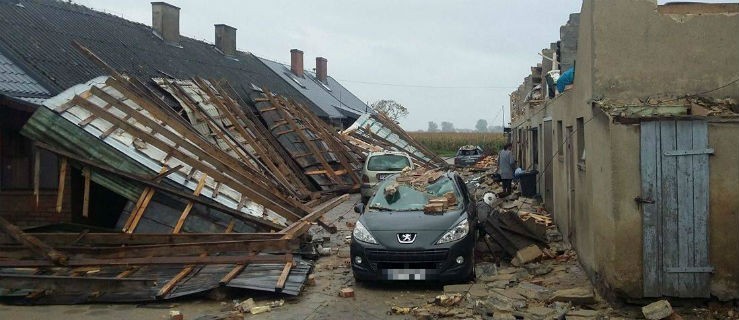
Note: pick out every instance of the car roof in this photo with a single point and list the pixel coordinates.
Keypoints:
(375, 153)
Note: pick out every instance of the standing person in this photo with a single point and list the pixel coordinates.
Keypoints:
(506, 165)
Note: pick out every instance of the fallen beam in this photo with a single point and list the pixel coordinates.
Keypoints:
(181, 249)
(81, 262)
(33, 243)
(124, 239)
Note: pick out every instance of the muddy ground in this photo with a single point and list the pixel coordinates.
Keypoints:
(500, 292)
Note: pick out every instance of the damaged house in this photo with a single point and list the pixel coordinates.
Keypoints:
(183, 166)
(637, 160)
(39, 60)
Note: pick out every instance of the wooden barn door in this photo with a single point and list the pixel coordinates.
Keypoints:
(674, 200)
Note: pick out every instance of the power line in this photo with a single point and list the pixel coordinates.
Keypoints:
(405, 85)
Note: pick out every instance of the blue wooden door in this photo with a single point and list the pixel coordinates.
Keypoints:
(674, 201)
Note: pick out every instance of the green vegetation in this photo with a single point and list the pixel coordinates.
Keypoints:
(447, 143)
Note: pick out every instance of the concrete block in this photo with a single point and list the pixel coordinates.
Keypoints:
(260, 309)
(526, 255)
(245, 305)
(176, 315)
(346, 293)
(578, 296)
(657, 310)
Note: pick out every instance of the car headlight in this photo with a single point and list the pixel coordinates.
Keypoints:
(360, 233)
(457, 232)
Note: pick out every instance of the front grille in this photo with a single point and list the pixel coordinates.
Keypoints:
(408, 256)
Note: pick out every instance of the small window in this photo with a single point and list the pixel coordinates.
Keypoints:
(16, 164)
(560, 136)
(581, 141)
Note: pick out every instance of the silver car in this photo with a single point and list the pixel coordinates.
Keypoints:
(380, 165)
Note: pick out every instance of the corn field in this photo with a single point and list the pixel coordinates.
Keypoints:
(447, 143)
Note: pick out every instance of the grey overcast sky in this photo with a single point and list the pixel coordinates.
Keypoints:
(453, 61)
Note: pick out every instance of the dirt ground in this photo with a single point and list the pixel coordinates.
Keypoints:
(528, 290)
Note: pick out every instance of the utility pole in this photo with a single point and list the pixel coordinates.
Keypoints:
(502, 110)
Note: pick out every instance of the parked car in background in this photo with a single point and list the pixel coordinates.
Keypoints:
(380, 165)
(396, 239)
(467, 156)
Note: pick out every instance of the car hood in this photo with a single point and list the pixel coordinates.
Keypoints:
(386, 225)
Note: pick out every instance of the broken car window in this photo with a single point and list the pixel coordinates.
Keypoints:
(388, 162)
(403, 197)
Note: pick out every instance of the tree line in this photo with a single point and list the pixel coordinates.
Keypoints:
(395, 111)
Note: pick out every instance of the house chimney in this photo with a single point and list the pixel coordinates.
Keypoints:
(165, 20)
(226, 39)
(296, 62)
(321, 71)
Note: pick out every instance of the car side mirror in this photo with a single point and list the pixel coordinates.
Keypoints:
(359, 208)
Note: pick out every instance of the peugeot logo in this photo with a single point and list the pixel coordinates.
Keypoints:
(406, 237)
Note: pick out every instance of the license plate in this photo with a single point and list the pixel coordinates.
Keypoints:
(405, 274)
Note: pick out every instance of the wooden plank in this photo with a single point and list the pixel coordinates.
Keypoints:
(686, 246)
(138, 212)
(230, 226)
(159, 250)
(231, 274)
(62, 183)
(175, 260)
(138, 239)
(299, 131)
(188, 207)
(225, 165)
(127, 272)
(256, 190)
(701, 208)
(650, 146)
(86, 193)
(283, 276)
(291, 232)
(267, 160)
(169, 171)
(36, 176)
(271, 144)
(33, 243)
(330, 138)
(670, 240)
(173, 282)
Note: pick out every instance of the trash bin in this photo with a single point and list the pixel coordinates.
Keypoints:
(528, 183)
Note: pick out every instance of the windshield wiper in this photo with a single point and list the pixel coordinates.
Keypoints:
(380, 208)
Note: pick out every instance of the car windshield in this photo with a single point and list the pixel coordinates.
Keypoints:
(387, 162)
(408, 198)
(473, 152)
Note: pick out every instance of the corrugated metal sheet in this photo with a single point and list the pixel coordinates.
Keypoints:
(16, 83)
(371, 129)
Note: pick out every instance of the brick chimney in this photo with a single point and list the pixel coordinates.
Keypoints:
(321, 71)
(165, 20)
(226, 39)
(296, 62)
